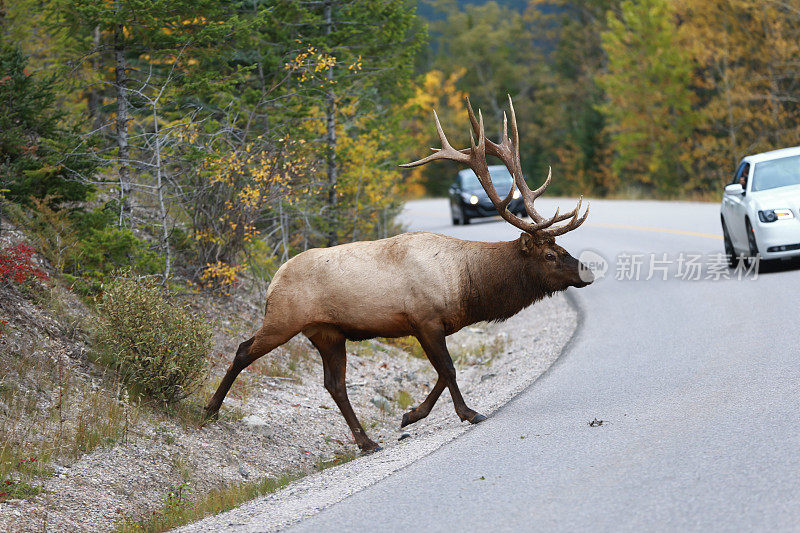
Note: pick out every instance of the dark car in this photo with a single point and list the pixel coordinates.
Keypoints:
(468, 200)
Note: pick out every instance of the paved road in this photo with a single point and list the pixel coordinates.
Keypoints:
(696, 383)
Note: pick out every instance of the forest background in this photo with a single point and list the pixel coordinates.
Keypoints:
(219, 135)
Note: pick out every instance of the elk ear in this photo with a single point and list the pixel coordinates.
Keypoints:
(526, 243)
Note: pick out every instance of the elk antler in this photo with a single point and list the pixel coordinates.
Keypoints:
(508, 152)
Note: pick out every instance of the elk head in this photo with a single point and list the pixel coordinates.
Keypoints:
(546, 261)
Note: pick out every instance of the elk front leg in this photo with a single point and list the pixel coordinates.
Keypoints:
(433, 342)
(334, 361)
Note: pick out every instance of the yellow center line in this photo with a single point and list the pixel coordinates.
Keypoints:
(658, 230)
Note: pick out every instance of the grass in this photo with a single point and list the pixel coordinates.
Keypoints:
(404, 400)
(55, 301)
(104, 422)
(338, 459)
(190, 412)
(14, 461)
(410, 345)
(182, 468)
(363, 348)
(12, 490)
(285, 362)
(50, 413)
(180, 510)
(482, 353)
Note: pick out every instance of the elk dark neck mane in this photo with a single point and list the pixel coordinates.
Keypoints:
(499, 282)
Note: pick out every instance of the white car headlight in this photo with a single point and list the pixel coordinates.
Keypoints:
(516, 194)
(771, 215)
(473, 199)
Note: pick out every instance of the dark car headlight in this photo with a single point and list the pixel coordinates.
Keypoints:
(470, 198)
(771, 215)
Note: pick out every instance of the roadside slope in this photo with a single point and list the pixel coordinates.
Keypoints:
(278, 420)
(520, 350)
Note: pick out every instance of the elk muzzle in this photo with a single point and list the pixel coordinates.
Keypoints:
(585, 275)
(579, 274)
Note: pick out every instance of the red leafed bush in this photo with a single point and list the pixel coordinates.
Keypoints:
(16, 265)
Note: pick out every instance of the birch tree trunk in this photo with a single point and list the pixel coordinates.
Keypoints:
(162, 211)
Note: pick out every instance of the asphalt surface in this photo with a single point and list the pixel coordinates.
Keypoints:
(695, 382)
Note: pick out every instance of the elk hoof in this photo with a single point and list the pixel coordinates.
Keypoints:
(370, 448)
(407, 419)
(477, 419)
(209, 415)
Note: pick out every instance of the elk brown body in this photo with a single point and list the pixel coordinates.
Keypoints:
(423, 284)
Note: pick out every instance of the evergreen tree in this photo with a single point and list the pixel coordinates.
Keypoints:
(365, 53)
(142, 42)
(649, 102)
(570, 127)
(490, 52)
(40, 157)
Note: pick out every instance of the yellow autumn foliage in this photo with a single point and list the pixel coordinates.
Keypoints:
(435, 91)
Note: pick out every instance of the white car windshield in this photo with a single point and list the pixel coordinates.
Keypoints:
(777, 173)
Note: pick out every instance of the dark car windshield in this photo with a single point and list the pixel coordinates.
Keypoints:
(501, 178)
(777, 173)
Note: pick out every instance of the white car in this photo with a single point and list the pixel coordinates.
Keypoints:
(761, 206)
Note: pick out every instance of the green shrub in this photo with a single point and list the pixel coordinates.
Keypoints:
(156, 346)
(104, 250)
(262, 263)
(184, 246)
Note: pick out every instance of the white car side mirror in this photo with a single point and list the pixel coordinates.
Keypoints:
(734, 188)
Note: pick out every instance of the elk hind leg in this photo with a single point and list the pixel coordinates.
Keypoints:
(424, 409)
(249, 351)
(433, 342)
(331, 346)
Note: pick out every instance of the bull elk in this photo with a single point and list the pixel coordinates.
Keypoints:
(422, 284)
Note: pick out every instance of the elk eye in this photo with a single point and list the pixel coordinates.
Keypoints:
(550, 257)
